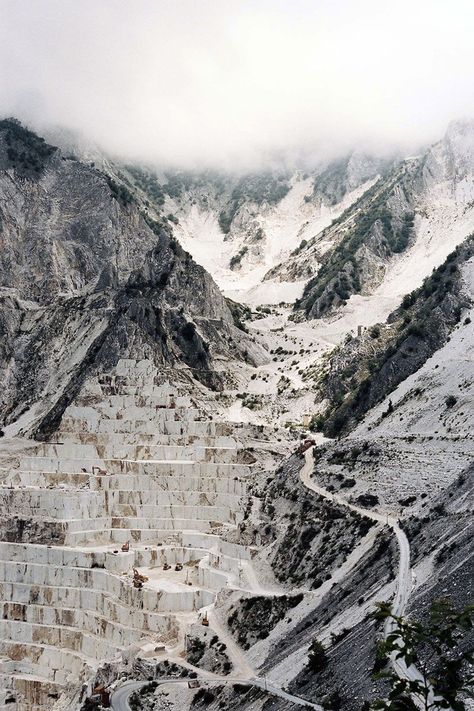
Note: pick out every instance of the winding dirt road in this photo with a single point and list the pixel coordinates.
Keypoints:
(404, 578)
(120, 697)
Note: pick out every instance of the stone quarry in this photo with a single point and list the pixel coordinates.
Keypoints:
(152, 522)
(114, 534)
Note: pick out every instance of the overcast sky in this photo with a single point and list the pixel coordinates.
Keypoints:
(232, 82)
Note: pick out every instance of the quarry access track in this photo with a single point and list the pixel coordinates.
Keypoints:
(120, 697)
(404, 578)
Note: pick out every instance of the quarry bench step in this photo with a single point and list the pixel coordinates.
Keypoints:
(137, 483)
(134, 413)
(116, 502)
(145, 379)
(11, 671)
(148, 536)
(99, 602)
(138, 399)
(76, 531)
(156, 512)
(68, 638)
(29, 682)
(170, 497)
(102, 501)
(203, 524)
(48, 465)
(139, 556)
(194, 452)
(161, 599)
(123, 385)
(75, 660)
(61, 504)
(131, 439)
(203, 428)
(83, 621)
(170, 482)
(145, 390)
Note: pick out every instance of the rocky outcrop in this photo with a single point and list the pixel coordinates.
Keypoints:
(85, 274)
(418, 196)
(365, 237)
(311, 537)
(444, 533)
(254, 617)
(365, 369)
(206, 651)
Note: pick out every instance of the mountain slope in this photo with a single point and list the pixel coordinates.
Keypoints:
(85, 276)
(368, 367)
(388, 241)
(240, 227)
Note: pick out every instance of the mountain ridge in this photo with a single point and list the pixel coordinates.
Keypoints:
(82, 265)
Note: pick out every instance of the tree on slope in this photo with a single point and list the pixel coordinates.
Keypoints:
(439, 650)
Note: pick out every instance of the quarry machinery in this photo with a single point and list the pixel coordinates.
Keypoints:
(138, 579)
(305, 445)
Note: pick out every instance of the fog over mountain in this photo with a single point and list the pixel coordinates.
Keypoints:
(234, 84)
(236, 355)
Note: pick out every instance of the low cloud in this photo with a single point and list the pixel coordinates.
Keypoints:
(201, 83)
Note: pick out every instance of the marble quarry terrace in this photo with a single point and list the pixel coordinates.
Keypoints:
(138, 478)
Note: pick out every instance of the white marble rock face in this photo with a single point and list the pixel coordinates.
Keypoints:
(141, 465)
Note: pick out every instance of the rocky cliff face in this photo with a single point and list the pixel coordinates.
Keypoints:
(365, 238)
(85, 277)
(240, 226)
(311, 537)
(417, 203)
(366, 368)
(345, 228)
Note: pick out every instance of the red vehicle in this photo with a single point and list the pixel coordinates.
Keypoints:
(305, 445)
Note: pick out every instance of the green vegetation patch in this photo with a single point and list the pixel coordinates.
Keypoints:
(339, 275)
(413, 333)
(26, 152)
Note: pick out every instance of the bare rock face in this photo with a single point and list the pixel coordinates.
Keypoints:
(425, 198)
(241, 226)
(365, 369)
(364, 240)
(86, 276)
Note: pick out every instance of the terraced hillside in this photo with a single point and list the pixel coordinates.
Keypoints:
(134, 464)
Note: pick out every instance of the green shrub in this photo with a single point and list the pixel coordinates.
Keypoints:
(120, 192)
(317, 657)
